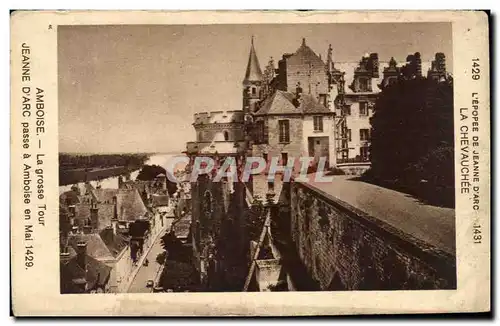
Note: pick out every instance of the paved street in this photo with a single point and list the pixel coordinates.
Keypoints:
(149, 272)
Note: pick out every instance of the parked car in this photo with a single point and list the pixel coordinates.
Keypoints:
(149, 284)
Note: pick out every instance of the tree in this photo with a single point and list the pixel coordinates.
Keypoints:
(412, 126)
(179, 276)
(150, 172)
(174, 248)
(161, 257)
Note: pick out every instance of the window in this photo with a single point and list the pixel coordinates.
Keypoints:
(254, 91)
(363, 85)
(284, 129)
(259, 131)
(323, 99)
(284, 159)
(364, 134)
(363, 109)
(363, 151)
(318, 123)
(349, 135)
(347, 110)
(226, 136)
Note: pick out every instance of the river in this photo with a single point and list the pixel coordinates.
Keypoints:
(112, 182)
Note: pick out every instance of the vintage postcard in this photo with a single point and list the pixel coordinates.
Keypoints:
(194, 163)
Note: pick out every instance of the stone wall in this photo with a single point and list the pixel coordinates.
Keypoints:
(274, 147)
(218, 229)
(354, 168)
(344, 249)
(312, 78)
(217, 131)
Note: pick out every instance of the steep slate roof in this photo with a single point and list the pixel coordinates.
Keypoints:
(105, 195)
(115, 242)
(69, 198)
(128, 201)
(96, 247)
(282, 103)
(105, 213)
(305, 55)
(130, 205)
(97, 274)
(253, 72)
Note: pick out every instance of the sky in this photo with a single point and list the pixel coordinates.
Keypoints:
(135, 88)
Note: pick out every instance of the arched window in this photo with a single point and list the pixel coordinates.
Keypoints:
(226, 135)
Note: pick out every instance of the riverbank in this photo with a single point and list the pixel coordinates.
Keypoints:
(69, 177)
(79, 168)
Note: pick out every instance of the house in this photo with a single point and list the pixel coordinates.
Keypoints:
(108, 247)
(83, 273)
(103, 219)
(292, 125)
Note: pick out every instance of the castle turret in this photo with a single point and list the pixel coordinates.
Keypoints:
(252, 84)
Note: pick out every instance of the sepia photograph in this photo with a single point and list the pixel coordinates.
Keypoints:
(233, 158)
(250, 163)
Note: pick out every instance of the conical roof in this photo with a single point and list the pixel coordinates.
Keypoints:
(253, 72)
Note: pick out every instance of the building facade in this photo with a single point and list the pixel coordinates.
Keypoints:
(293, 120)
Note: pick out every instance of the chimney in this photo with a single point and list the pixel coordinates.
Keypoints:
(440, 62)
(298, 91)
(418, 64)
(81, 254)
(114, 225)
(115, 208)
(64, 255)
(94, 215)
(164, 183)
(298, 95)
(374, 65)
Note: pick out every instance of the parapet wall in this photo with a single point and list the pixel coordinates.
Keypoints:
(218, 117)
(344, 249)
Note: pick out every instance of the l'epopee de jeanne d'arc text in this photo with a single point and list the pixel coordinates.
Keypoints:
(33, 128)
(470, 154)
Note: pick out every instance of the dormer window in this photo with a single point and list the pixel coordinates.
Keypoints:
(363, 84)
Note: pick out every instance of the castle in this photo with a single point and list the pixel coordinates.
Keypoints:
(305, 107)
(302, 107)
